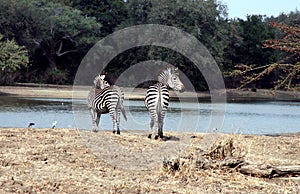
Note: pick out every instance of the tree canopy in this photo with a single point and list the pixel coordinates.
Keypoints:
(57, 34)
(283, 74)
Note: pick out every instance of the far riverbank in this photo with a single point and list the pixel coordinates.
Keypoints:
(66, 91)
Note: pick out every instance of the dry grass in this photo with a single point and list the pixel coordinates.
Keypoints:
(71, 161)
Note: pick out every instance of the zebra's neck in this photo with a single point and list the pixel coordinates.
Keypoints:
(163, 78)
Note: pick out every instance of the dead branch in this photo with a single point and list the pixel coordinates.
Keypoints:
(264, 171)
(221, 157)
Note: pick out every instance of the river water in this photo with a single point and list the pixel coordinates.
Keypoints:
(246, 118)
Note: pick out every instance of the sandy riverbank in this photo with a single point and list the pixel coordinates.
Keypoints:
(58, 91)
(61, 161)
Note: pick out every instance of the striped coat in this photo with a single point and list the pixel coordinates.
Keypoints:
(103, 99)
(157, 97)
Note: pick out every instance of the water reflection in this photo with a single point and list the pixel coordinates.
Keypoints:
(253, 118)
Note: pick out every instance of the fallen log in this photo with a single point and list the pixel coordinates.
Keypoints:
(223, 155)
(266, 171)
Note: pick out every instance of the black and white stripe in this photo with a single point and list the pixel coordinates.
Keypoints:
(157, 97)
(104, 99)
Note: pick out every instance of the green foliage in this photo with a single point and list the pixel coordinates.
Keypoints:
(58, 33)
(66, 25)
(232, 55)
(138, 11)
(108, 13)
(48, 30)
(57, 76)
(283, 75)
(206, 20)
(12, 58)
(21, 20)
(254, 32)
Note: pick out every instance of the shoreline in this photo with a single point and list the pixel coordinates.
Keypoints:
(66, 91)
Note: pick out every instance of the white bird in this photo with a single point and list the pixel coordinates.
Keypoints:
(54, 124)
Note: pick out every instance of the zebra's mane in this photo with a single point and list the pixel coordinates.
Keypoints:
(166, 72)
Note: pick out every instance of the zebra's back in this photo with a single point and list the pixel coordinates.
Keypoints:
(108, 99)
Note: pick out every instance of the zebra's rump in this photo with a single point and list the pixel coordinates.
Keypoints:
(157, 94)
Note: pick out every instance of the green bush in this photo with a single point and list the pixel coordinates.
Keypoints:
(12, 58)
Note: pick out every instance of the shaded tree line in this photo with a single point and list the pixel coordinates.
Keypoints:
(53, 37)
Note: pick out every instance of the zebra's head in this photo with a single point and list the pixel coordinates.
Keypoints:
(100, 83)
(170, 77)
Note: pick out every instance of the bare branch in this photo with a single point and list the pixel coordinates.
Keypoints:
(36, 42)
(66, 52)
(59, 53)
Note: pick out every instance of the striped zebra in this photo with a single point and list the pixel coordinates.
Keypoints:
(157, 97)
(103, 99)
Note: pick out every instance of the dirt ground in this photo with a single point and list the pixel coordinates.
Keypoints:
(75, 161)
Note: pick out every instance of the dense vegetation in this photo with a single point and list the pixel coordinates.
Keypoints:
(50, 39)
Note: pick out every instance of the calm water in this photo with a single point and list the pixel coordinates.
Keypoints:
(247, 118)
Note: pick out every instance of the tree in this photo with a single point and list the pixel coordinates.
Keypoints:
(206, 20)
(57, 36)
(286, 72)
(254, 31)
(109, 13)
(12, 58)
(232, 54)
(67, 31)
(290, 42)
(21, 20)
(203, 19)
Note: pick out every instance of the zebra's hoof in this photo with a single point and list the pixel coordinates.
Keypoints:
(156, 137)
(95, 130)
(114, 131)
(149, 136)
(118, 132)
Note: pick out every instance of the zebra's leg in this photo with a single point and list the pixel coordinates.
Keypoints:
(160, 128)
(98, 119)
(113, 118)
(118, 122)
(94, 120)
(160, 123)
(151, 127)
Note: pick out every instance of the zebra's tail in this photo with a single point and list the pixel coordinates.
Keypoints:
(159, 110)
(121, 107)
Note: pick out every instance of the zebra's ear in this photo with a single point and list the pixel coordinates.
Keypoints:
(102, 76)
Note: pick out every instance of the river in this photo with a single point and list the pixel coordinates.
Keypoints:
(268, 117)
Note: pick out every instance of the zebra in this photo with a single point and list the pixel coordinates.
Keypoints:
(157, 97)
(104, 98)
